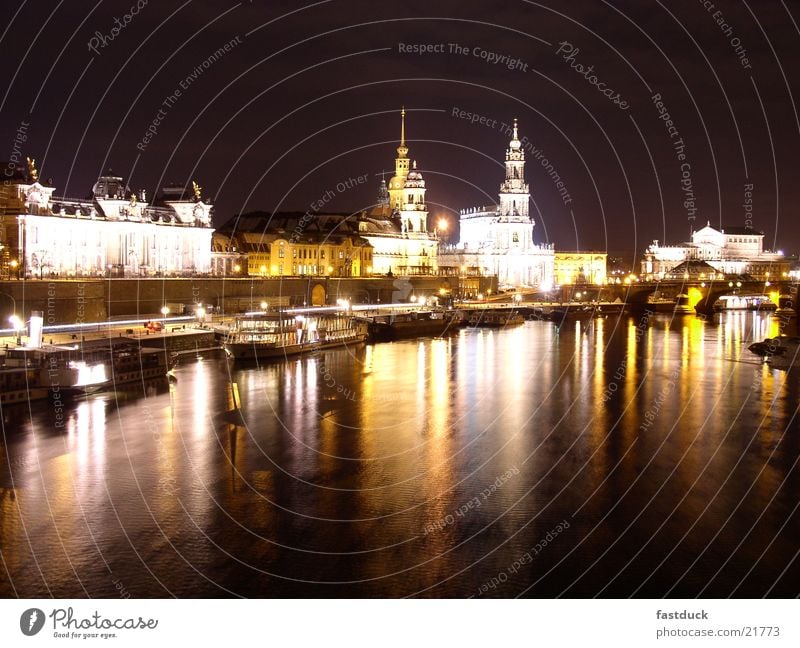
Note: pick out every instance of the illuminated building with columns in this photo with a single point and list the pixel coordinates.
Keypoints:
(731, 250)
(498, 240)
(114, 233)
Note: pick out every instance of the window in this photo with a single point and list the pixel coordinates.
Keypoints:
(322, 254)
(281, 252)
(515, 237)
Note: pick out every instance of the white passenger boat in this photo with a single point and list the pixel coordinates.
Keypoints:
(30, 373)
(279, 335)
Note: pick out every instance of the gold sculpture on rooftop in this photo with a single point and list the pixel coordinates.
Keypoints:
(197, 190)
(32, 172)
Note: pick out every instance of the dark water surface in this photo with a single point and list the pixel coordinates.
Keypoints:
(621, 457)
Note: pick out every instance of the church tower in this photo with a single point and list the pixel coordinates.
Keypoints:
(414, 211)
(401, 168)
(514, 194)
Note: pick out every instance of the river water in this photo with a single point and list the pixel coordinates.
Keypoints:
(631, 456)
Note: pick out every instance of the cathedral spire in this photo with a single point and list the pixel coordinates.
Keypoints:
(402, 150)
(515, 129)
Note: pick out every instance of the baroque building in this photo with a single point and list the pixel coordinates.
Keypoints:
(731, 250)
(290, 244)
(397, 226)
(114, 233)
(498, 239)
(392, 237)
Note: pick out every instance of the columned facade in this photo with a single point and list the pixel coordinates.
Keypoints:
(498, 239)
(116, 233)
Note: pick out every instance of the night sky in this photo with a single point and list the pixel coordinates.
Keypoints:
(308, 96)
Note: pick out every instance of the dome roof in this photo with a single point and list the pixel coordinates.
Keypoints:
(414, 177)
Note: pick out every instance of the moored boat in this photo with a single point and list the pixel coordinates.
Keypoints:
(280, 335)
(31, 373)
(744, 302)
(496, 318)
(390, 326)
(683, 306)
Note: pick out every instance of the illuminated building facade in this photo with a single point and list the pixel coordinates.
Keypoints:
(397, 227)
(114, 233)
(391, 237)
(498, 240)
(580, 267)
(289, 244)
(730, 251)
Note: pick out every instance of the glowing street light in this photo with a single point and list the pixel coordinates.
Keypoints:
(17, 324)
(264, 305)
(165, 310)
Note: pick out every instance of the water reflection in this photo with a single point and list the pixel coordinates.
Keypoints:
(422, 467)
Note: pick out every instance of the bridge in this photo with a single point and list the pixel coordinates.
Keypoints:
(702, 294)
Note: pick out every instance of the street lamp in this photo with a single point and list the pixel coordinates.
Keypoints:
(164, 311)
(442, 226)
(264, 305)
(17, 324)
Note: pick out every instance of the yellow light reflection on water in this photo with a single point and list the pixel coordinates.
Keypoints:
(695, 296)
(439, 386)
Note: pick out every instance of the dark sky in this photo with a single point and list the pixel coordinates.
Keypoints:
(309, 96)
